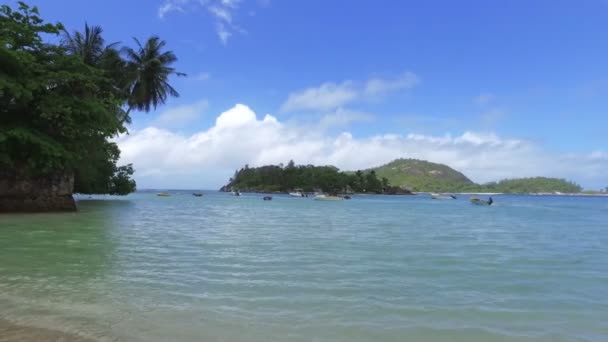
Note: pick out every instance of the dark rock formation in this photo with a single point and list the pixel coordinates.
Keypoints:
(22, 193)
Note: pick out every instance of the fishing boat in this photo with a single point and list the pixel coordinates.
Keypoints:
(197, 194)
(442, 196)
(479, 201)
(163, 194)
(324, 197)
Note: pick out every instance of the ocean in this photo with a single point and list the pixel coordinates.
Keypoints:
(373, 268)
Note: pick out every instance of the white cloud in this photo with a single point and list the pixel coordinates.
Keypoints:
(223, 11)
(484, 99)
(329, 95)
(343, 117)
(379, 86)
(324, 97)
(202, 76)
(206, 159)
(181, 115)
(171, 6)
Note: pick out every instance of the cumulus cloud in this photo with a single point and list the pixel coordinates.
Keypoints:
(207, 158)
(181, 115)
(223, 11)
(329, 95)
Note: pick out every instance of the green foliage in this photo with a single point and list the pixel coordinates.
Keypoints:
(273, 178)
(420, 175)
(533, 185)
(60, 103)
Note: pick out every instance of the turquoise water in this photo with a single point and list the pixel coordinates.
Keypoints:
(375, 268)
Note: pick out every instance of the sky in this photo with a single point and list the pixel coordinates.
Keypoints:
(495, 89)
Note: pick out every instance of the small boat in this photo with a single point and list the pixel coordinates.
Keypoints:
(442, 196)
(479, 201)
(236, 193)
(346, 197)
(328, 198)
(197, 194)
(163, 194)
(267, 198)
(297, 193)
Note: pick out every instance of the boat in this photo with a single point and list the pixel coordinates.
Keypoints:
(267, 198)
(163, 194)
(236, 193)
(323, 197)
(297, 193)
(479, 201)
(442, 196)
(197, 194)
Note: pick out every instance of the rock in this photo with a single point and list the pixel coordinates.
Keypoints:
(22, 193)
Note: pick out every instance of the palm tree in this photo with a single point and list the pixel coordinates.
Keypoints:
(149, 69)
(89, 45)
(142, 79)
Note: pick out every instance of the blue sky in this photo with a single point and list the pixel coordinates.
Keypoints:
(481, 85)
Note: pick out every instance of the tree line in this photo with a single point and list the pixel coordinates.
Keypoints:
(309, 178)
(61, 103)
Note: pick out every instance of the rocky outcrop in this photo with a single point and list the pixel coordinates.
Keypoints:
(22, 193)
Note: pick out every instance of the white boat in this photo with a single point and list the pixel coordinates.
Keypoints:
(328, 198)
(442, 196)
(297, 193)
(236, 193)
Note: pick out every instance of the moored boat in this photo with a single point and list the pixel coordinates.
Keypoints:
(323, 197)
(197, 194)
(479, 201)
(267, 198)
(442, 196)
(163, 194)
(236, 193)
(297, 193)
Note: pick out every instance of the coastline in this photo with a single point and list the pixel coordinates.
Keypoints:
(13, 332)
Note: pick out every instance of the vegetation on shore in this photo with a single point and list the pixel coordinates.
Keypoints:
(61, 103)
(398, 176)
(309, 178)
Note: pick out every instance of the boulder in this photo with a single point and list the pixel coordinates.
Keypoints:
(22, 193)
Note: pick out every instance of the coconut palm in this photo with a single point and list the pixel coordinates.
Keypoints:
(149, 70)
(89, 45)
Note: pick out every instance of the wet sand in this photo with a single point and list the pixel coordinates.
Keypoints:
(10, 332)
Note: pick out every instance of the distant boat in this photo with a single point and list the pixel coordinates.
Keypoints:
(267, 198)
(479, 201)
(297, 193)
(163, 194)
(197, 194)
(442, 196)
(328, 198)
(236, 193)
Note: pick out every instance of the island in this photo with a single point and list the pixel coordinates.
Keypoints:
(401, 176)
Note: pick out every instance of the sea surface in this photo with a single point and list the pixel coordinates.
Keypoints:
(374, 268)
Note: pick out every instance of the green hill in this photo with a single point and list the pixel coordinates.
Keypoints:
(421, 175)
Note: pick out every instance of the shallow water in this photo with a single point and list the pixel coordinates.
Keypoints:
(184, 268)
